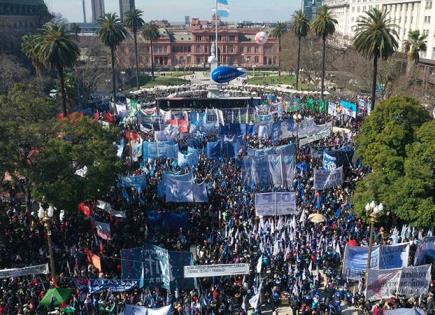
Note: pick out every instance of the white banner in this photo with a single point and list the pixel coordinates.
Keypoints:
(409, 281)
(201, 271)
(275, 203)
(322, 134)
(405, 311)
(25, 271)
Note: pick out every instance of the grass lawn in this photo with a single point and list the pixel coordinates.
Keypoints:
(276, 80)
(146, 81)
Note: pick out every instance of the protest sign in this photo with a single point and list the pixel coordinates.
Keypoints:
(348, 108)
(113, 285)
(414, 281)
(336, 158)
(201, 271)
(382, 283)
(275, 203)
(142, 310)
(324, 179)
(25, 271)
(408, 281)
(321, 134)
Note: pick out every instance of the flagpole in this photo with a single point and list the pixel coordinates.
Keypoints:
(216, 39)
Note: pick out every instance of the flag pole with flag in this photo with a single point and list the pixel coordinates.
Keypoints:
(222, 10)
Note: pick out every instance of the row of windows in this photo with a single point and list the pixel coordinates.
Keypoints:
(9, 9)
(211, 38)
(19, 25)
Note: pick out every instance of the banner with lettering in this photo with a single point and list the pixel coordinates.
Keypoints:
(25, 271)
(324, 179)
(408, 281)
(283, 129)
(112, 285)
(154, 150)
(202, 271)
(275, 203)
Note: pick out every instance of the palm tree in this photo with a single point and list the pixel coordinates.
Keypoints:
(301, 27)
(151, 32)
(28, 45)
(278, 31)
(375, 37)
(415, 44)
(54, 49)
(134, 21)
(112, 33)
(323, 26)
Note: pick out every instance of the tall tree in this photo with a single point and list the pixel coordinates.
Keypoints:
(151, 32)
(301, 27)
(415, 44)
(397, 143)
(53, 48)
(278, 31)
(323, 26)
(112, 33)
(375, 37)
(134, 21)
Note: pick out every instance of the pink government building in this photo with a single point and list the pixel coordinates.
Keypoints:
(189, 46)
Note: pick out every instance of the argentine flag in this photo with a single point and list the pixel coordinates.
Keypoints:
(223, 9)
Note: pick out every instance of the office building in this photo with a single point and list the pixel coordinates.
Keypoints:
(97, 10)
(17, 18)
(408, 15)
(124, 7)
(310, 8)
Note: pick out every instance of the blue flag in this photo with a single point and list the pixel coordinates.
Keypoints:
(223, 9)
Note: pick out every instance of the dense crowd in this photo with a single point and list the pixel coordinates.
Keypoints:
(299, 261)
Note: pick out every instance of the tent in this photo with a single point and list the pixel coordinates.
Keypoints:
(61, 295)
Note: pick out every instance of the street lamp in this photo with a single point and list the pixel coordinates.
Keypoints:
(45, 216)
(297, 117)
(373, 212)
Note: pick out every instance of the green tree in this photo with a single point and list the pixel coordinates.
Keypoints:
(151, 32)
(396, 147)
(301, 27)
(323, 26)
(413, 46)
(112, 33)
(278, 32)
(134, 21)
(28, 45)
(26, 120)
(78, 143)
(375, 37)
(54, 49)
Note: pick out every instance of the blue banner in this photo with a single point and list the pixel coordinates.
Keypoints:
(394, 256)
(172, 179)
(165, 149)
(189, 159)
(336, 158)
(137, 182)
(283, 129)
(425, 252)
(355, 261)
(324, 179)
(182, 191)
(178, 260)
(348, 108)
(223, 149)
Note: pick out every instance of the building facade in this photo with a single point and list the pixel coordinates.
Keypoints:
(126, 6)
(190, 47)
(310, 8)
(408, 15)
(17, 18)
(98, 10)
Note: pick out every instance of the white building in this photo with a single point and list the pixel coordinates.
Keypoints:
(408, 15)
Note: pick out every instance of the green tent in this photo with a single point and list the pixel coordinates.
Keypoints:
(60, 295)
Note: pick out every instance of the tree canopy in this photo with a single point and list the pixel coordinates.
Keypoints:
(397, 143)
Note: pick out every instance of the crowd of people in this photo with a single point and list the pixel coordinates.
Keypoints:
(293, 261)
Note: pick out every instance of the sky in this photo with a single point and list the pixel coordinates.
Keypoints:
(176, 10)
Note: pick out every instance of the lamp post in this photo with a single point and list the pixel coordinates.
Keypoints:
(297, 117)
(373, 212)
(45, 216)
